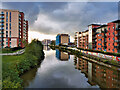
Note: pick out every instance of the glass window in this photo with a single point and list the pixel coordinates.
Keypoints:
(109, 44)
(109, 38)
(10, 25)
(6, 16)
(6, 39)
(6, 26)
(10, 16)
(113, 49)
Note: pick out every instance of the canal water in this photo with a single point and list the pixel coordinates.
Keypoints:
(61, 70)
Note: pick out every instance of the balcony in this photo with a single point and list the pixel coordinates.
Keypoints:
(118, 28)
(1, 21)
(2, 13)
(2, 17)
(117, 34)
(1, 25)
(1, 28)
(118, 47)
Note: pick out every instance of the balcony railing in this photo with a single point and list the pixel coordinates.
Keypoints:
(117, 34)
(1, 25)
(1, 21)
(2, 17)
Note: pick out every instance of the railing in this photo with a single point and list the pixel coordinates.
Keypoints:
(2, 17)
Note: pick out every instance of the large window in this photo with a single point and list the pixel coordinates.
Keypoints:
(6, 16)
(10, 16)
(6, 26)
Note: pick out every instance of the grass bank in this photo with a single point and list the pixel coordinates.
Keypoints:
(15, 66)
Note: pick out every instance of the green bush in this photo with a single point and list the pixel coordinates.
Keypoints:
(32, 57)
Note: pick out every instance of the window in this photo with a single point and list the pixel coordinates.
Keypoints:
(109, 28)
(6, 16)
(10, 16)
(6, 26)
(109, 49)
(10, 33)
(113, 33)
(7, 43)
(113, 38)
(6, 39)
(109, 33)
(109, 44)
(113, 27)
(10, 25)
(109, 38)
(6, 33)
(113, 49)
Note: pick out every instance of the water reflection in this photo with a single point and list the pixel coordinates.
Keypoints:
(63, 56)
(98, 74)
(47, 48)
(29, 76)
(73, 73)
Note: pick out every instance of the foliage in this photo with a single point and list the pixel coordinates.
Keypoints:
(13, 69)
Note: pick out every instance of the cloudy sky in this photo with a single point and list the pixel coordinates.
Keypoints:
(47, 19)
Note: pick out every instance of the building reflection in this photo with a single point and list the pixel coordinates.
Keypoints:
(63, 56)
(98, 74)
(47, 48)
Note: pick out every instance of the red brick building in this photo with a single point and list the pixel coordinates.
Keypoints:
(100, 37)
(13, 28)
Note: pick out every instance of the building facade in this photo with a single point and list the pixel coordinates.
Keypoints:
(101, 37)
(81, 39)
(63, 39)
(13, 29)
(46, 42)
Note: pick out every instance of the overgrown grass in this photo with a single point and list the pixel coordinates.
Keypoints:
(14, 66)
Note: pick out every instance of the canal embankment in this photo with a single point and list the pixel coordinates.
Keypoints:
(14, 66)
(100, 57)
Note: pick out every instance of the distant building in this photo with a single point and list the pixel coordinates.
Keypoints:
(63, 39)
(46, 42)
(13, 28)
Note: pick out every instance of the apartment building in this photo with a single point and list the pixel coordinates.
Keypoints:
(63, 39)
(101, 37)
(46, 42)
(81, 39)
(13, 29)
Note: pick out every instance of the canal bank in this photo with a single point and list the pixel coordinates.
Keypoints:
(61, 69)
(108, 59)
(14, 66)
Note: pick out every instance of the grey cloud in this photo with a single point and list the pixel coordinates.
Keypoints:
(66, 17)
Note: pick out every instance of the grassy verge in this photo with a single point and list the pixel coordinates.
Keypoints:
(15, 66)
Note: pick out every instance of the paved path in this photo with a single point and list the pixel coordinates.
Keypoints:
(15, 53)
